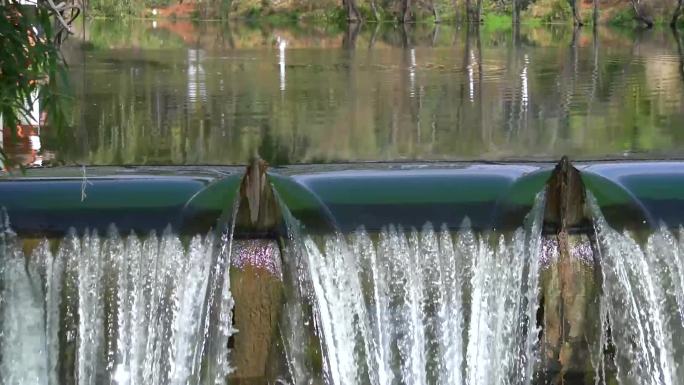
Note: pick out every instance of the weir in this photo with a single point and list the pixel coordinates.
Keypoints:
(436, 273)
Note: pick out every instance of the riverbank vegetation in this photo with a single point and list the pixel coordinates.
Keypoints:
(30, 65)
(579, 12)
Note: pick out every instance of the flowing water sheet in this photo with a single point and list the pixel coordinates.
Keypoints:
(428, 306)
(642, 302)
(113, 310)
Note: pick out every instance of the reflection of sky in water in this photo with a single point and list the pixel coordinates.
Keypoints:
(471, 80)
(202, 95)
(412, 73)
(282, 45)
(197, 88)
(524, 98)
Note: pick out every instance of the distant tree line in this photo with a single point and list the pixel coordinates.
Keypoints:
(403, 11)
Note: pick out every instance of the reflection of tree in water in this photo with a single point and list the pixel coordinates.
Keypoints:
(569, 81)
(517, 72)
(372, 93)
(272, 150)
(680, 51)
(350, 36)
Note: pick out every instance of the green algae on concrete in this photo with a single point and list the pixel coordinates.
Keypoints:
(258, 293)
(256, 278)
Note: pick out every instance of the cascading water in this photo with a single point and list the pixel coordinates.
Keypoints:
(300, 323)
(426, 307)
(643, 303)
(114, 310)
(411, 307)
(431, 307)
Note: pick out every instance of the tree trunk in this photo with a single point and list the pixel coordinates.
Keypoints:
(374, 9)
(454, 3)
(374, 36)
(353, 14)
(474, 11)
(350, 36)
(639, 16)
(675, 15)
(435, 13)
(575, 13)
(435, 35)
(516, 30)
(406, 12)
(356, 10)
(405, 36)
(596, 12)
(595, 72)
(432, 7)
(675, 33)
(516, 12)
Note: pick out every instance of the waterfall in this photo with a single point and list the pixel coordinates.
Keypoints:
(300, 325)
(97, 310)
(434, 307)
(401, 306)
(23, 337)
(643, 293)
(428, 306)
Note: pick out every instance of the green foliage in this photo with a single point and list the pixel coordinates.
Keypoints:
(257, 16)
(104, 35)
(158, 3)
(497, 22)
(282, 19)
(549, 11)
(213, 10)
(336, 15)
(116, 8)
(197, 15)
(284, 12)
(331, 16)
(29, 66)
(623, 17)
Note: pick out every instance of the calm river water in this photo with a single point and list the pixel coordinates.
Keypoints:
(161, 92)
